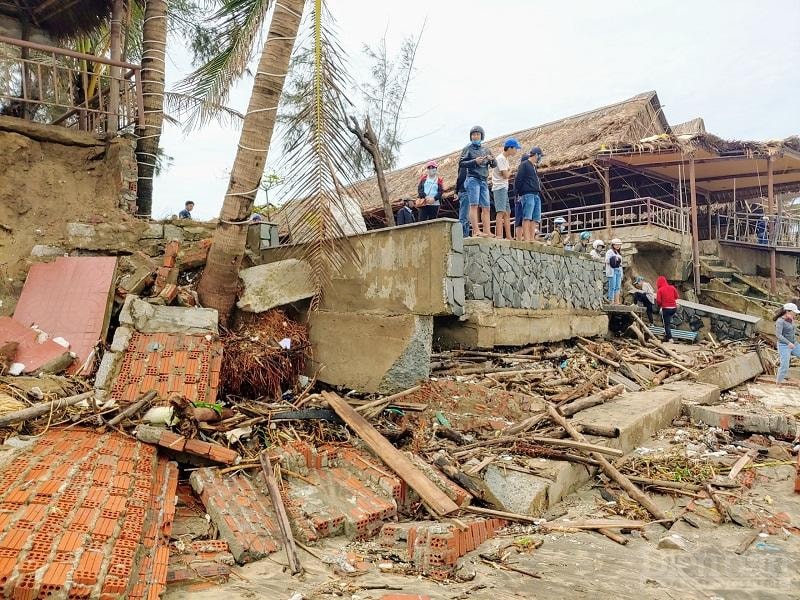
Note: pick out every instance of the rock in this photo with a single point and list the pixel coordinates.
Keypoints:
(147, 318)
(45, 251)
(173, 233)
(153, 231)
(673, 541)
(275, 284)
(80, 230)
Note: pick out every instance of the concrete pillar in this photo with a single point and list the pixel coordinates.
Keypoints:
(695, 239)
(771, 231)
(607, 198)
(117, 11)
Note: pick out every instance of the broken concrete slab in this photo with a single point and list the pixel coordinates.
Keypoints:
(738, 420)
(148, 318)
(732, 372)
(515, 491)
(138, 271)
(38, 354)
(384, 353)
(45, 251)
(275, 284)
(697, 393)
(71, 298)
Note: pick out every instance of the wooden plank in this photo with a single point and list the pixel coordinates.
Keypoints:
(434, 498)
(280, 513)
(578, 446)
(618, 378)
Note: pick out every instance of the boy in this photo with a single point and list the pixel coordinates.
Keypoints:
(477, 161)
(186, 213)
(500, 175)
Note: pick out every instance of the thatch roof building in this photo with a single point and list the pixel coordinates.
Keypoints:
(58, 18)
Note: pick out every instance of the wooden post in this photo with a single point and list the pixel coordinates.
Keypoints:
(607, 199)
(112, 123)
(771, 230)
(695, 239)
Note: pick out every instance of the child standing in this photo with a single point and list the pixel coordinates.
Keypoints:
(785, 332)
(614, 271)
(500, 175)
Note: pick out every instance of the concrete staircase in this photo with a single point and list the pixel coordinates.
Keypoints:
(713, 267)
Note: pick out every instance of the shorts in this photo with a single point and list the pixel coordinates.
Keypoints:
(478, 192)
(531, 207)
(501, 200)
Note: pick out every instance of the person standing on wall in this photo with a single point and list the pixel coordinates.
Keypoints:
(613, 261)
(644, 294)
(583, 243)
(500, 176)
(405, 216)
(463, 200)
(529, 188)
(598, 250)
(429, 191)
(478, 160)
(787, 342)
(517, 202)
(667, 300)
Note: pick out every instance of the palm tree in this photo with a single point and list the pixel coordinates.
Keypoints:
(154, 47)
(217, 288)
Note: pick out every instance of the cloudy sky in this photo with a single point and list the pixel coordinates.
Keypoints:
(512, 64)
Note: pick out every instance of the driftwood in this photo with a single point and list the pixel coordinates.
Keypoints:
(751, 537)
(133, 409)
(718, 504)
(578, 445)
(579, 391)
(599, 430)
(741, 463)
(280, 513)
(583, 403)
(602, 359)
(610, 470)
(473, 485)
(613, 535)
(489, 512)
(26, 414)
(677, 485)
(525, 425)
(596, 524)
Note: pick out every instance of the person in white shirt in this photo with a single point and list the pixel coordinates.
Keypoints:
(598, 250)
(614, 271)
(500, 176)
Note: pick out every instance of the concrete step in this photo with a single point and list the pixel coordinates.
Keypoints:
(712, 261)
(724, 273)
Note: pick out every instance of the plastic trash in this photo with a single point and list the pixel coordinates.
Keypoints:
(285, 343)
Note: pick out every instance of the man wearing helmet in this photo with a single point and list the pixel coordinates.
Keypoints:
(560, 237)
(477, 160)
(598, 250)
(584, 242)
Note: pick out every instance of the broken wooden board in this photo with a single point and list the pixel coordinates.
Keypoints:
(432, 496)
(617, 378)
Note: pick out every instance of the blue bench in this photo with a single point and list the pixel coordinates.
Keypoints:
(678, 334)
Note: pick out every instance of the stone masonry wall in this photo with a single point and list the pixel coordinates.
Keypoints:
(520, 275)
(722, 327)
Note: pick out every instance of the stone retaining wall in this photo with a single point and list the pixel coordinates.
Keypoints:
(520, 275)
(723, 327)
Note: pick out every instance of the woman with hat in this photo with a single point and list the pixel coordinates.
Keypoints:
(429, 192)
(598, 250)
(785, 332)
(613, 262)
(644, 294)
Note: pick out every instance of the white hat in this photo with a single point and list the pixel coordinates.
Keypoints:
(598, 244)
(616, 242)
(792, 307)
(559, 220)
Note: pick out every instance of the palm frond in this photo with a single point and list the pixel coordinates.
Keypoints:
(235, 31)
(191, 112)
(317, 155)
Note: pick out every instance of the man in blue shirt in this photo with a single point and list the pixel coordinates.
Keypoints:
(528, 189)
(405, 216)
(477, 160)
(186, 213)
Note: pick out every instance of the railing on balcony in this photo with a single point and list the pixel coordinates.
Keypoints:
(626, 213)
(759, 230)
(61, 87)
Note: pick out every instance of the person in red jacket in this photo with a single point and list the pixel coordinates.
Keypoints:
(667, 300)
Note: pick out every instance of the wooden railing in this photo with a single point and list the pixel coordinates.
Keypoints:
(758, 230)
(62, 87)
(625, 213)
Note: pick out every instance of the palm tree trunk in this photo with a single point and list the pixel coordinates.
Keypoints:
(217, 287)
(154, 46)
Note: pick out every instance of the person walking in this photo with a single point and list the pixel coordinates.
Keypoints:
(478, 160)
(529, 189)
(186, 213)
(785, 332)
(429, 191)
(667, 300)
(598, 250)
(500, 176)
(613, 260)
(645, 295)
(405, 216)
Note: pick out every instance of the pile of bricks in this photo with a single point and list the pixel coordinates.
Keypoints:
(434, 548)
(201, 560)
(178, 443)
(86, 515)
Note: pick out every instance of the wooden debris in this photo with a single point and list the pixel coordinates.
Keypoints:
(718, 504)
(280, 513)
(578, 405)
(614, 536)
(596, 524)
(741, 463)
(133, 409)
(602, 359)
(599, 430)
(434, 498)
(42, 408)
(749, 538)
(578, 445)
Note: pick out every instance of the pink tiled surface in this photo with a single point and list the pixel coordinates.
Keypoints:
(86, 515)
(30, 353)
(169, 363)
(69, 298)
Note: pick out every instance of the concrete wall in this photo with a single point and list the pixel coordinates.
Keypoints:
(514, 274)
(724, 324)
(414, 269)
(747, 259)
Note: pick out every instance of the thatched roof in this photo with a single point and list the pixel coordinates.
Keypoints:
(692, 127)
(708, 142)
(569, 142)
(59, 18)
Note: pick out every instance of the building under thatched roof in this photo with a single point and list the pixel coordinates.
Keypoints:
(58, 18)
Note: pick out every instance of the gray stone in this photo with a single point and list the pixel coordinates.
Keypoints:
(148, 318)
(455, 265)
(458, 290)
(673, 541)
(476, 292)
(171, 232)
(516, 492)
(107, 371)
(153, 231)
(80, 230)
(275, 284)
(122, 337)
(498, 300)
(458, 237)
(45, 251)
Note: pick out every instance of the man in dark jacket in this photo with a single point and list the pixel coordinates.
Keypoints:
(528, 189)
(477, 160)
(463, 200)
(405, 216)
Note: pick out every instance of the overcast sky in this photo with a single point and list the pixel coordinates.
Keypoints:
(512, 64)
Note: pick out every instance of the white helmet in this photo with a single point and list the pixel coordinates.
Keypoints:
(616, 242)
(598, 244)
(559, 220)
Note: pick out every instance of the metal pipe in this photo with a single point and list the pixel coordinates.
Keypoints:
(773, 269)
(64, 52)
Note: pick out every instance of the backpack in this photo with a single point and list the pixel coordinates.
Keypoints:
(615, 261)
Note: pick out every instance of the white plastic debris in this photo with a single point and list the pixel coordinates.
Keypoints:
(61, 342)
(234, 435)
(285, 343)
(159, 415)
(303, 380)
(16, 369)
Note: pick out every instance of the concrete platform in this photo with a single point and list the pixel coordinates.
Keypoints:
(732, 372)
